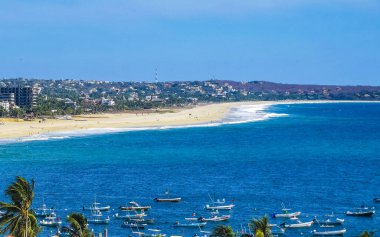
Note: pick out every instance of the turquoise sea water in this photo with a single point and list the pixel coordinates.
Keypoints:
(319, 159)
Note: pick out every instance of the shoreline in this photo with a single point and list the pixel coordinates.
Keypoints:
(201, 115)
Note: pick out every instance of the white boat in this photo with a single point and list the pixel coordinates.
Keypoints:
(329, 232)
(95, 207)
(43, 211)
(329, 221)
(129, 216)
(215, 218)
(286, 214)
(134, 207)
(133, 225)
(97, 218)
(154, 233)
(51, 221)
(190, 224)
(219, 207)
(299, 224)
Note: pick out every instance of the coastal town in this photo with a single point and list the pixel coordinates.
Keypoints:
(27, 98)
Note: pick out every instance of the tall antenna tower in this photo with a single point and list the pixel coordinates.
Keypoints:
(156, 76)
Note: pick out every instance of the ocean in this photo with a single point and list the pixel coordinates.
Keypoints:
(312, 158)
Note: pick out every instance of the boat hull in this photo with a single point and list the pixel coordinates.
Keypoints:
(361, 214)
(329, 233)
(132, 208)
(167, 199)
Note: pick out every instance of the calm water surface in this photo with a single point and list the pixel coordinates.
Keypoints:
(322, 158)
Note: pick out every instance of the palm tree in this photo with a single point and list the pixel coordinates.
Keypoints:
(78, 226)
(223, 231)
(18, 220)
(260, 227)
(367, 234)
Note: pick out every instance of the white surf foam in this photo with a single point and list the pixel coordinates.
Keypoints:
(240, 114)
(250, 113)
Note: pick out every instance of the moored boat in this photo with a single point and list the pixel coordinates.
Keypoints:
(329, 221)
(133, 225)
(97, 218)
(51, 221)
(190, 224)
(215, 218)
(43, 211)
(129, 216)
(167, 198)
(299, 224)
(134, 207)
(177, 199)
(377, 200)
(329, 232)
(286, 214)
(362, 212)
(154, 233)
(95, 207)
(219, 207)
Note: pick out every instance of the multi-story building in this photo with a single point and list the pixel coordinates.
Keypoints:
(22, 96)
(7, 97)
(4, 105)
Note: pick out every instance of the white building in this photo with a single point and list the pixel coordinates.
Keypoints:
(108, 102)
(5, 105)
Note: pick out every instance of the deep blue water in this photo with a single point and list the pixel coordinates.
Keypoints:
(321, 158)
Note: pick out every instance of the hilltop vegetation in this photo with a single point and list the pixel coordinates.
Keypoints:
(59, 97)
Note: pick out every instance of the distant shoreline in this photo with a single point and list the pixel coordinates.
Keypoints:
(201, 114)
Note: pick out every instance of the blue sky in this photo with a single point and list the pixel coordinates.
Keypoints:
(289, 41)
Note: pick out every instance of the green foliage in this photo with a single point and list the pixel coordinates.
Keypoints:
(245, 235)
(367, 234)
(18, 219)
(78, 225)
(17, 113)
(260, 227)
(223, 231)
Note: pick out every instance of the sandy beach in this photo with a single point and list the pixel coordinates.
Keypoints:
(15, 128)
(201, 114)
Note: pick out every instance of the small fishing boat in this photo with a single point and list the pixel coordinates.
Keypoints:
(134, 207)
(362, 212)
(217, 201)
(299, 224)
(130, 216)
(377, 200)
(177, 199)
(95, 207)
(133, 225)
(51, 221)
(97, 218)
(167, 198)
(43, 211)
(215, 218)
(154, 233)
(143, 221)
(329, 232)
(190, 224)
(286, 214)
(329, 221)
(219, 207)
